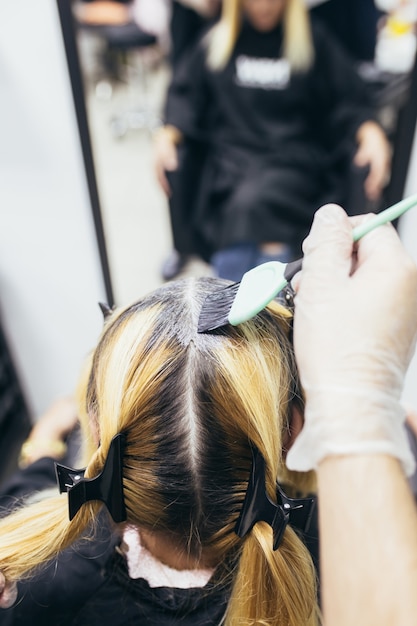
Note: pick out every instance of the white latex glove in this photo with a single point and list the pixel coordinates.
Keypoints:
(355, 328)
(8, 593)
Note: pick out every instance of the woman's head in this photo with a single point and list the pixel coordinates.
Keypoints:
(264, 15)
(190, 405)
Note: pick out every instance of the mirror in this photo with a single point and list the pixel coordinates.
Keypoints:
(122, 89)
(118, 94)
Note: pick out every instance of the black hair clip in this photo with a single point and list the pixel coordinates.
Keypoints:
(258, 507)
(105, 309)
(286, 297)
(106, 487)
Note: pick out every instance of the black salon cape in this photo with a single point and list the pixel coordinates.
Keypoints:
(276, 148)
(89, 583)
(88, 589)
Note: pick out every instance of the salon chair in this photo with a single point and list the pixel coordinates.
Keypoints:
(184, 184)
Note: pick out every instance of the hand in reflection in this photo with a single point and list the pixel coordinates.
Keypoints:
(8, 593)
(374, 151)
(165, 154)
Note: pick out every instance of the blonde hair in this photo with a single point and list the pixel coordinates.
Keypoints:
(297, 46)
(190, 406)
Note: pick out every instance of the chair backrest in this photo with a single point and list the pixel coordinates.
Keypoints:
(127, 36)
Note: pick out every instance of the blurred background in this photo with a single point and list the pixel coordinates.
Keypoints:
(82, 217)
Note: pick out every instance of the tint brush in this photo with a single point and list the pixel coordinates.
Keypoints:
(241, 301)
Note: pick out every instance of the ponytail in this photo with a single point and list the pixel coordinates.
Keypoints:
(274, 588)
(36, 533)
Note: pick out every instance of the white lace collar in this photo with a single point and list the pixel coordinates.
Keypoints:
(142, 564)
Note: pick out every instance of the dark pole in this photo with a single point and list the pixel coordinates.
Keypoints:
(403, 143)
(70, 43)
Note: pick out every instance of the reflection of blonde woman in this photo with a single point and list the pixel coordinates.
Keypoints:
(282, 111)
(175, 422)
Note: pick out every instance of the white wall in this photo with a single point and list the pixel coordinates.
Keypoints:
(408, 233)
(50, 273)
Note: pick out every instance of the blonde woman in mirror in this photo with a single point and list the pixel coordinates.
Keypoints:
(284, 120)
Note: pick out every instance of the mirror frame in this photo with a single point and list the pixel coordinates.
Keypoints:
(68, 29)
(403, 142)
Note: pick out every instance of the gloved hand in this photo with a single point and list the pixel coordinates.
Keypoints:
(8, 593)
(355, 328)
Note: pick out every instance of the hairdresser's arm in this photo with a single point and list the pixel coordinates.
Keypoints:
(368, 542)
(354, 333)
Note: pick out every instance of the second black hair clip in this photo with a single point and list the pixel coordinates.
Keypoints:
(258, 506)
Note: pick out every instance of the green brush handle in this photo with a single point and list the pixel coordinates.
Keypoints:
(390, 214)
(261, 284)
